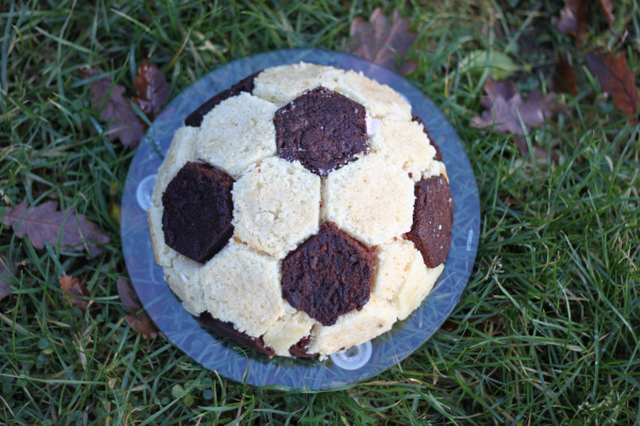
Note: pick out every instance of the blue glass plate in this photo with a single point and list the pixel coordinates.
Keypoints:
(226, 357)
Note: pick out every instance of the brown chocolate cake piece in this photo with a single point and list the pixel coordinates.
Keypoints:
(300, 349)
(246, 85)
(438, 156)
(328, 275)
(198, 209)
(227, 330)
(432, 220)
(322, 129)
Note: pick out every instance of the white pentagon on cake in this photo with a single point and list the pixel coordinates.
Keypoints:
(413, 155)
(276, 206)
(377, 209)
(281, 85)
(237, 133)
(242, 286)
(302, 211)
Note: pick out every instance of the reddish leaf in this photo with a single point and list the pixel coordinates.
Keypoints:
(382, 42)
(137, 319)
(5, 273)
(504, 109)
(607, 8)
(450, 326)
(565, 79)
(109, 102)
(46, 223)
(152, 89)
(573, 18)
(616, 79)
(141, 323)
(74, 286)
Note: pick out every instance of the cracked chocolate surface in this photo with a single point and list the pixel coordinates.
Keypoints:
(198, 209)
(328, 275)
(322, 129)
(227, 330)
(300, 349)
(432, 220)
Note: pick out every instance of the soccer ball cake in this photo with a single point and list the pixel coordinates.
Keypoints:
(302, 211)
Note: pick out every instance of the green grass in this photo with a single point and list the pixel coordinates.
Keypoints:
(547, 330)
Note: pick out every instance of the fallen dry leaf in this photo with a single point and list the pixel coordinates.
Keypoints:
(382, 42)
(618, 80)
(46, 223)
(152, 89)
(142, 324)
(565, 78)
(505, 107)
(112, 106)
(607, 8)
(128, 296)
(450, 326)
(137, 319)
(5, 273)
(74, 286)
(573, 19)
(496, 319)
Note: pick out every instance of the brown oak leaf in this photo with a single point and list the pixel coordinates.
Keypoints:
(607, 8)
(382, 42)
(152, 89)
(124, 124)
(450, 326)
(46, 224)
(73, 285)
(565, 78)
(505, 108)
(617, 79)
(138, 319)
(573, 19)
(5, 273)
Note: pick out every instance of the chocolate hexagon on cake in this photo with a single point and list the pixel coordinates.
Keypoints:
(302, 211)
(321, 129)
(198, 211)
(328, 275)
